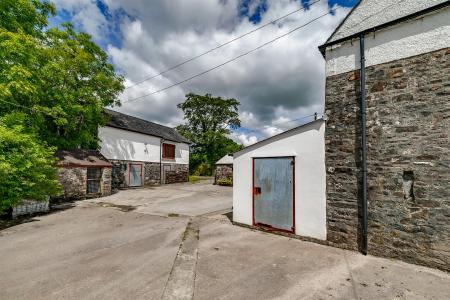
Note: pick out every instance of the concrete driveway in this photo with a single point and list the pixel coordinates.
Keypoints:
(182, 199)
(178, 244)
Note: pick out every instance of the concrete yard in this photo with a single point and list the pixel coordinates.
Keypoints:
(175, 242)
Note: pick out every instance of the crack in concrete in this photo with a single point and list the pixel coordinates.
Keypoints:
(181, 281)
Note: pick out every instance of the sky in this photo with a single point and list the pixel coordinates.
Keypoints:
(281, 82)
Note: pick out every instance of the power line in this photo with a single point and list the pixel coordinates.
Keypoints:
(233, 59)
(289, 121)
(221, 45)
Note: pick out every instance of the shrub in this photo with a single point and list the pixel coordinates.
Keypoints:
(27, 168)
(225, 181)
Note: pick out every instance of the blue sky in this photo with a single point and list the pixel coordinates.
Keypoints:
(281, 82)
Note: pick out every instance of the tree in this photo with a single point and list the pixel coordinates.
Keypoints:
(60, 78)
(208, 122)
(26, 166)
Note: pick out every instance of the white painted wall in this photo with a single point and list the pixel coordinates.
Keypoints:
(422, 35)
(307, 145)
(371, 13)
(127, 145)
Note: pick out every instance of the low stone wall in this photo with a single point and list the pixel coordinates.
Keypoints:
(408, 126)
(173, 173)
(28, 207)
(224, 172)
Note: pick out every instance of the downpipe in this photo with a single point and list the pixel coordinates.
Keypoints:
(362, 79)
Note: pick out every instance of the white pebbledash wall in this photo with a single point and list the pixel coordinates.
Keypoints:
(307, 145)
(422, 35)
(127, 145)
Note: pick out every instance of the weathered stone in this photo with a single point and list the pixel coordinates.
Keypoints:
(173, 173)
(224, 172)
(407, 132)
(74, 182)
(397, 72)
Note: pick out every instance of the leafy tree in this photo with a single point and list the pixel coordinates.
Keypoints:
(26, 166)
(60, 78)
(208, 122)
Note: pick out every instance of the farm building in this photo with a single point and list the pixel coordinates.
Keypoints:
(279, 183)
(84, 173)
(224, 170)
(143, 152)
(387, 143)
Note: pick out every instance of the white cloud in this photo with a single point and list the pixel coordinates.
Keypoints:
(280, 82)
(244, 139)
(85, 14)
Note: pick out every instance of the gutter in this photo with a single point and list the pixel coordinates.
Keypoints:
(160, 160)
(420, 13)
(362, 81)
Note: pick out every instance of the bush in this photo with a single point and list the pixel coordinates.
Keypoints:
(225, 181)
(27, 168)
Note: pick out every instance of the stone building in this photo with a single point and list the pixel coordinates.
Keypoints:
(396, 127)
(84, 173)
(224, 170)
(142, 152)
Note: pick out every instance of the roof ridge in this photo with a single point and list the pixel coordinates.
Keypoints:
(141, 119)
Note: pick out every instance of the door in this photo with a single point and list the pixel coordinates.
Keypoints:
(273, 192)
(135, 174)
(94, 176)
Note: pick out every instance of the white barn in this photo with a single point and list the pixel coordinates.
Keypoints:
(279, 183)
(143, 152)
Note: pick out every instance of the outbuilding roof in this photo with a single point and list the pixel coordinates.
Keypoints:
(369, 15)
(81, 158)
(226, 160)
(127, 122)
(278, 136)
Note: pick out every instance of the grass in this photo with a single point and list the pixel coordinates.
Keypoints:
(194, 179)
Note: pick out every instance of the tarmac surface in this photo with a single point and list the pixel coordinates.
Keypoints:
(177, 242)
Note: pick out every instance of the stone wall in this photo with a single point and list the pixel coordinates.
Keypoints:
(106, 181)
(73, 181)
(408, 127)
(173, 173)
(152, 174)
(118, 173)
(28, 207)
(223, 172)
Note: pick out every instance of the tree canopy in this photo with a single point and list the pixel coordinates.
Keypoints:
(26, 165)
(208, 123)
(54, 84)
(58, 77)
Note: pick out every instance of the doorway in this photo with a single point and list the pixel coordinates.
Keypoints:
(135, 176)
(273, 193)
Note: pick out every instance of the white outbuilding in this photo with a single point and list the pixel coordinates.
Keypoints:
(279, 183)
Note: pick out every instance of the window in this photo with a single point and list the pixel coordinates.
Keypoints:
(94, 175)
(168, 151)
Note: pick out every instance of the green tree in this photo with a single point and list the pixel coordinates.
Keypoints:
(60, 78)
(26, 166)
(208, 122)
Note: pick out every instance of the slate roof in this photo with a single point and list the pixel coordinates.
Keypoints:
(369, 14)
(81, 158)
(127, 122)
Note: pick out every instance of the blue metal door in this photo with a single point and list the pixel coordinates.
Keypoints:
(273, 192)
(135, 174)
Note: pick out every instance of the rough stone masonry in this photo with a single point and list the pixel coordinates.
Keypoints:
(408, 127)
